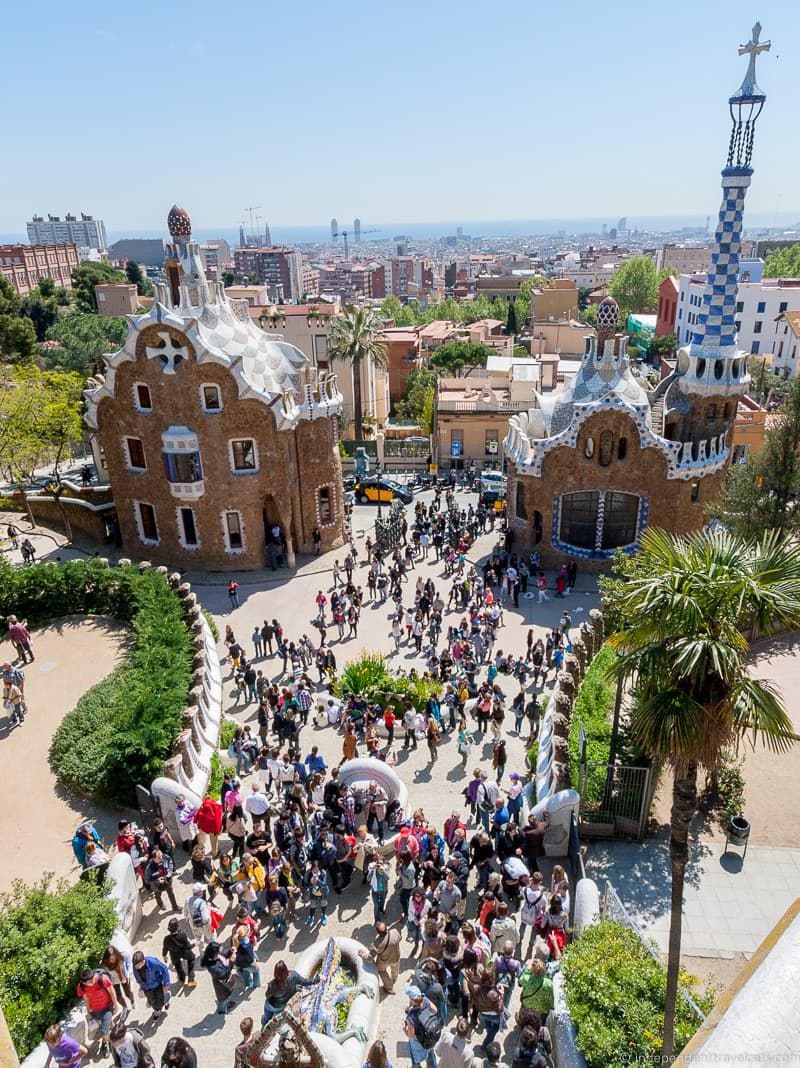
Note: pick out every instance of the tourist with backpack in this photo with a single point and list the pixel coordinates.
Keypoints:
(423, 1027)
(96, 988)
(129, 1047)
(198, 913)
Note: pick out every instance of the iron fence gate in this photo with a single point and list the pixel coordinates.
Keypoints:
(615, 800)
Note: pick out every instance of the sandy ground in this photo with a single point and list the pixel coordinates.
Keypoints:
(772, 780)
(71, 656)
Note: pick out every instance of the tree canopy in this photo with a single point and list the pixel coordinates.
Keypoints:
(783, 263)
(135, 275)
(39, 420)
(635, 286)
(763, 493)
(88, 275)
(42, 306)
(82, 340)
(417, 403)
(460, 312)
(17, 333)
(456, 356)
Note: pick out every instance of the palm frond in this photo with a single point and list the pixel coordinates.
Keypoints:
(759, 713)
(688, 605)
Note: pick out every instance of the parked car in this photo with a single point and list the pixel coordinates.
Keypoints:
(493, 498)
(372, 490)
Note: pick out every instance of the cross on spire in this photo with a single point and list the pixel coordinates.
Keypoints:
(753, 48)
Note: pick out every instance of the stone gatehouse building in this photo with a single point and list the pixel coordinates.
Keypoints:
(591, 467)
(212, 433)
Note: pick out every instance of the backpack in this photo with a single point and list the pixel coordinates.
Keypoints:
(197, 913)
(427, 1027)
(100, 974)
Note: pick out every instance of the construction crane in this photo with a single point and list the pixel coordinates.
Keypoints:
(253, 217)
(348, 233)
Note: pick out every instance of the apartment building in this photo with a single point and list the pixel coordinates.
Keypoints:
(24, 266)
(86, 232)
(758, 307)
(272, 265)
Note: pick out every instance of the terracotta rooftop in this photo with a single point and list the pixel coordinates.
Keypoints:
(793, 319)
(438, 329)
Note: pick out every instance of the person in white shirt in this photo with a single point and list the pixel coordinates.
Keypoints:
(257, 804)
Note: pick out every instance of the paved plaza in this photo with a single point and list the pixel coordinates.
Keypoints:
(730, 905)
(730, 902)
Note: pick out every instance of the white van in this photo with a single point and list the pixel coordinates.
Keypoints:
(493, 480)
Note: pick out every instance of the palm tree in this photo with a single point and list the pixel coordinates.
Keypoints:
(354, 339)
(687, 608)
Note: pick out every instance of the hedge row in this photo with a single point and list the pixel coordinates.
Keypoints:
(123, 729)
(592, 708)
(48, 936)
(615, 992)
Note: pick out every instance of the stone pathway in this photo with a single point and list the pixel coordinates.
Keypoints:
(730, 903)
(38, 817)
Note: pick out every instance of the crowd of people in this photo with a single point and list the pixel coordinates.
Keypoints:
(466, 902)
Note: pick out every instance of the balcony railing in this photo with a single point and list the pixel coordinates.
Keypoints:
(478, 405)
(187, 491)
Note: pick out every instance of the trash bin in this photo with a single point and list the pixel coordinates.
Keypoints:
(737, 833)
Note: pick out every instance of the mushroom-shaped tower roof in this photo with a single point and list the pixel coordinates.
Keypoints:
(178, 222)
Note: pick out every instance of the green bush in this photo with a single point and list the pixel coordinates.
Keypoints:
(122, 730)
(592, 707)
(615, 992)
(216, 777)
(48, 936)
(363, 677)
(227, 731)
(724, 789)
(369, 678)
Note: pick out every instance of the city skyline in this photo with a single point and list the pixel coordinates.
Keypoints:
(536, 123)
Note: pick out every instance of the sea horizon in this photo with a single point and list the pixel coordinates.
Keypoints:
(426, 231)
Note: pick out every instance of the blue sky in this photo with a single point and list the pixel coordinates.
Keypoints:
(417, 111)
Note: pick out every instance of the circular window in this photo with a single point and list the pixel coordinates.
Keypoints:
(589, 450)
(701, 367)
(719, 369)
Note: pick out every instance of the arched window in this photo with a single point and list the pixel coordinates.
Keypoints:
(606, 448)
(585, 525)
(589, 450)
(519, 501)
(622, 448)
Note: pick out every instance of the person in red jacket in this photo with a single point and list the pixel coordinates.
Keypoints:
(406, 845)
(209, 821)
(125, 840)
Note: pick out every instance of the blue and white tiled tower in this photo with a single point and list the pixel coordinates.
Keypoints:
(711, 364)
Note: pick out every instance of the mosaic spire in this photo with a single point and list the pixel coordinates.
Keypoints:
(716, 323)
